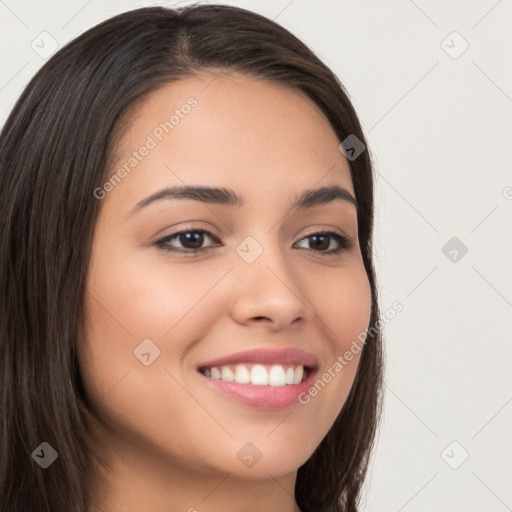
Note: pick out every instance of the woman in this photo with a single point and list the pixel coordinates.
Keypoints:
(189, 308)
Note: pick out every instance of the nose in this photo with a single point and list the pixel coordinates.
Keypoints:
(268, 293)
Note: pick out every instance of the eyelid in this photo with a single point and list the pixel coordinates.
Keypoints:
(345, 242)
(187, 229)
(328, 229)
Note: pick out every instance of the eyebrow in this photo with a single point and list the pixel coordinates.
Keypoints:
(223, 196)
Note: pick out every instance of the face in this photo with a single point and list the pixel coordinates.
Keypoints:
(182, 290)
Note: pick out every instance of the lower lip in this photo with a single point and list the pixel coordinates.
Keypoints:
(264, 397)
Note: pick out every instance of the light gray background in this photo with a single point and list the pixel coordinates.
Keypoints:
(441, 133)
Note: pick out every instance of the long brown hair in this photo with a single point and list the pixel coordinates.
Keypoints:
(54, 152)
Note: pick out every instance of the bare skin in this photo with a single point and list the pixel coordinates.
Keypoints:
(171, 441)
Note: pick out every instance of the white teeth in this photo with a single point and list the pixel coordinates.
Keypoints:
(242, 375)
(226, 374)
(277, 377)
(258, 375)
(299, 373)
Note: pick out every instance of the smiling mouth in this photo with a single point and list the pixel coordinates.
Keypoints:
(274, 375)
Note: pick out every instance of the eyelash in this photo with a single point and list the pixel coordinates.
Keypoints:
(344, 243)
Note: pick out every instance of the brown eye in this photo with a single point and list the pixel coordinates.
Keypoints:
(321, 242)
(190, 240)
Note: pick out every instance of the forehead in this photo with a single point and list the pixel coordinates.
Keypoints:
(230, 130)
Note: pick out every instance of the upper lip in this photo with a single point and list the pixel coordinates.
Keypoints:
(266, 356)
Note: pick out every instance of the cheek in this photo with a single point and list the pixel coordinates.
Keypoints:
(171, 307)
(343, 308)
(132, 300)
(141, 297)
